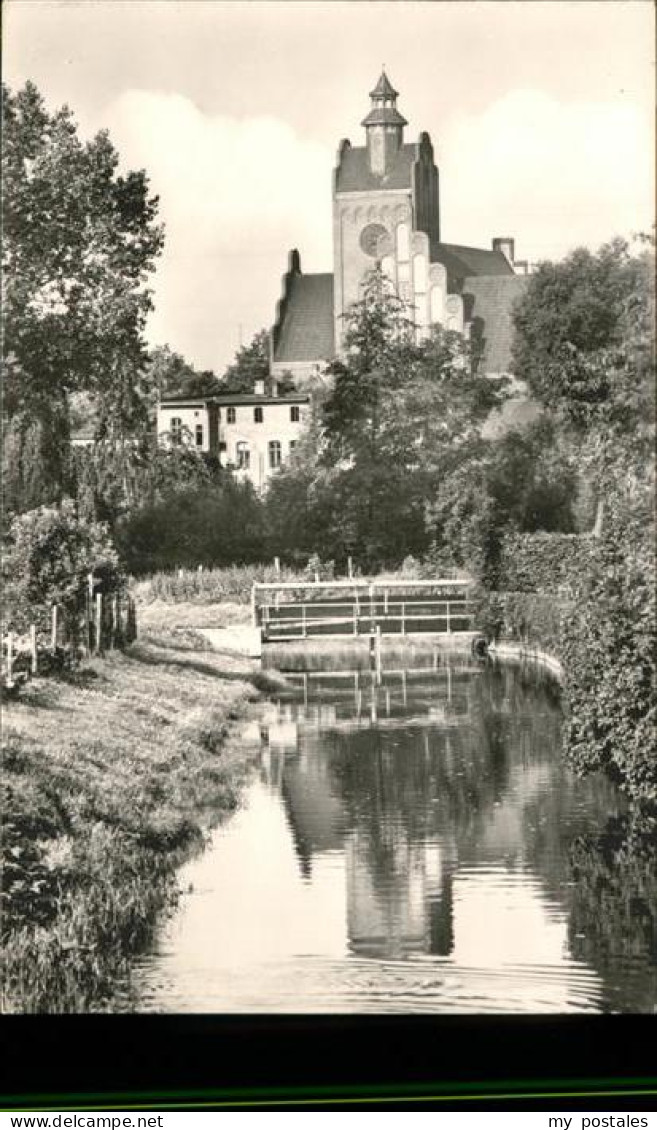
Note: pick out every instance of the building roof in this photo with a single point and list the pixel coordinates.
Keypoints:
(488, 303)
(384, 116)
(235, 398)
(306, 333)
(464, 262)
(355, 175)
(384, 88)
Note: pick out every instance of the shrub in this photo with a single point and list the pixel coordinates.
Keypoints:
(48, 557)
(543, 562)
(214, 525)
(609, 652)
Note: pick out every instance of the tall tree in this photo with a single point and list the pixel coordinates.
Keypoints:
(80, 241)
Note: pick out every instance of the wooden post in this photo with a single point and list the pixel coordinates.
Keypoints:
(10, 659)
(316, 576)
(116, 612)
(377, 653)
(89, 613)
(54, 625)
(99, 623)
(403, 618)
(254, 609)
(385, 602)
(277, 566)
(371, 592)
(304, 630)
(355, 619)
(34, 654)
(350, 568)
(447, 616)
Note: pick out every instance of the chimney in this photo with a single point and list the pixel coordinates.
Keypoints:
(507, 246)
(259, 388)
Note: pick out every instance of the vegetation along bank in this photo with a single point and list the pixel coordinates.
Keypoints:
(112, 773)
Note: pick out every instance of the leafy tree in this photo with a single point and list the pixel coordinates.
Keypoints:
(522, 482)
(397, 412)
(211, 525)
(571, 314)
(48, 556)
(79, 243)
(170, 375)
(251, 364)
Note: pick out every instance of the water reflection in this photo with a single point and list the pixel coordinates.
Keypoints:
(445, 860)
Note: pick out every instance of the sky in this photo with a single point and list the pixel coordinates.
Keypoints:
(540, 113)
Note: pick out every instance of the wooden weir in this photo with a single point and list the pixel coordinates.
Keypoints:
(296, 610)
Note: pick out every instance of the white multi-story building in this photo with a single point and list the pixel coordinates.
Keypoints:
(251, 433)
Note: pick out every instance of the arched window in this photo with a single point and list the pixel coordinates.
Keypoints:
(402, 242)
(274, 453)
(176, 429)
(242, 456)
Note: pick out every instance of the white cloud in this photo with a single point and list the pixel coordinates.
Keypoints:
(553, 174)
(235, 195)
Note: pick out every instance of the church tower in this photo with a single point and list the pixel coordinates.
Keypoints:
(385, 210)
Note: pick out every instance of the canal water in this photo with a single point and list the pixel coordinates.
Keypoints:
(413, 844)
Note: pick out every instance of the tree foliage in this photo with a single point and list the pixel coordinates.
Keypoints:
(79, 242)
(212, 525)
(47, 558)
(387, 428)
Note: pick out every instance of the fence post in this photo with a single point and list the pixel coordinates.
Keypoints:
(99, 622)
(449, 630)
(54, 627)
(34, 655)
(10, 659)
(304, 630)
(355, 619)
(89, 612)
(254, 609)
(371, 592)
(403, 618)
(277, 566)
(377, 654)
(350, 568)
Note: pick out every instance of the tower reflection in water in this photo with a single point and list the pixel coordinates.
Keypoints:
(362, 791)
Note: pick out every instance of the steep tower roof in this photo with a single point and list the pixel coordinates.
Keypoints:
(384, 88)
(383, 111)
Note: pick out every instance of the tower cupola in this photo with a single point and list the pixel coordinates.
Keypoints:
(384, 126)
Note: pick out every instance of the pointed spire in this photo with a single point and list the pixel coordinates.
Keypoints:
(383, 111)
(384, 88)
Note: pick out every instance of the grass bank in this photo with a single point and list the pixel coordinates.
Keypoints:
(111, 777)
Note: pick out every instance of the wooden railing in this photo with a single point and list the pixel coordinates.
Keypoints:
(365, 611)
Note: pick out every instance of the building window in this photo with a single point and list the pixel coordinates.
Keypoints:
(230, 415)
(222, 445)
(403, 234)
(293, 444)
(243, 456)
(294, 414)
(198, 435)
(274, 454)
(257, 415)
(176, 429)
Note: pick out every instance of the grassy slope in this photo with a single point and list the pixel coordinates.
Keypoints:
(109, 778)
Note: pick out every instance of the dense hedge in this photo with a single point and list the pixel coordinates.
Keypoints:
(533, 619)
(543, 562)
